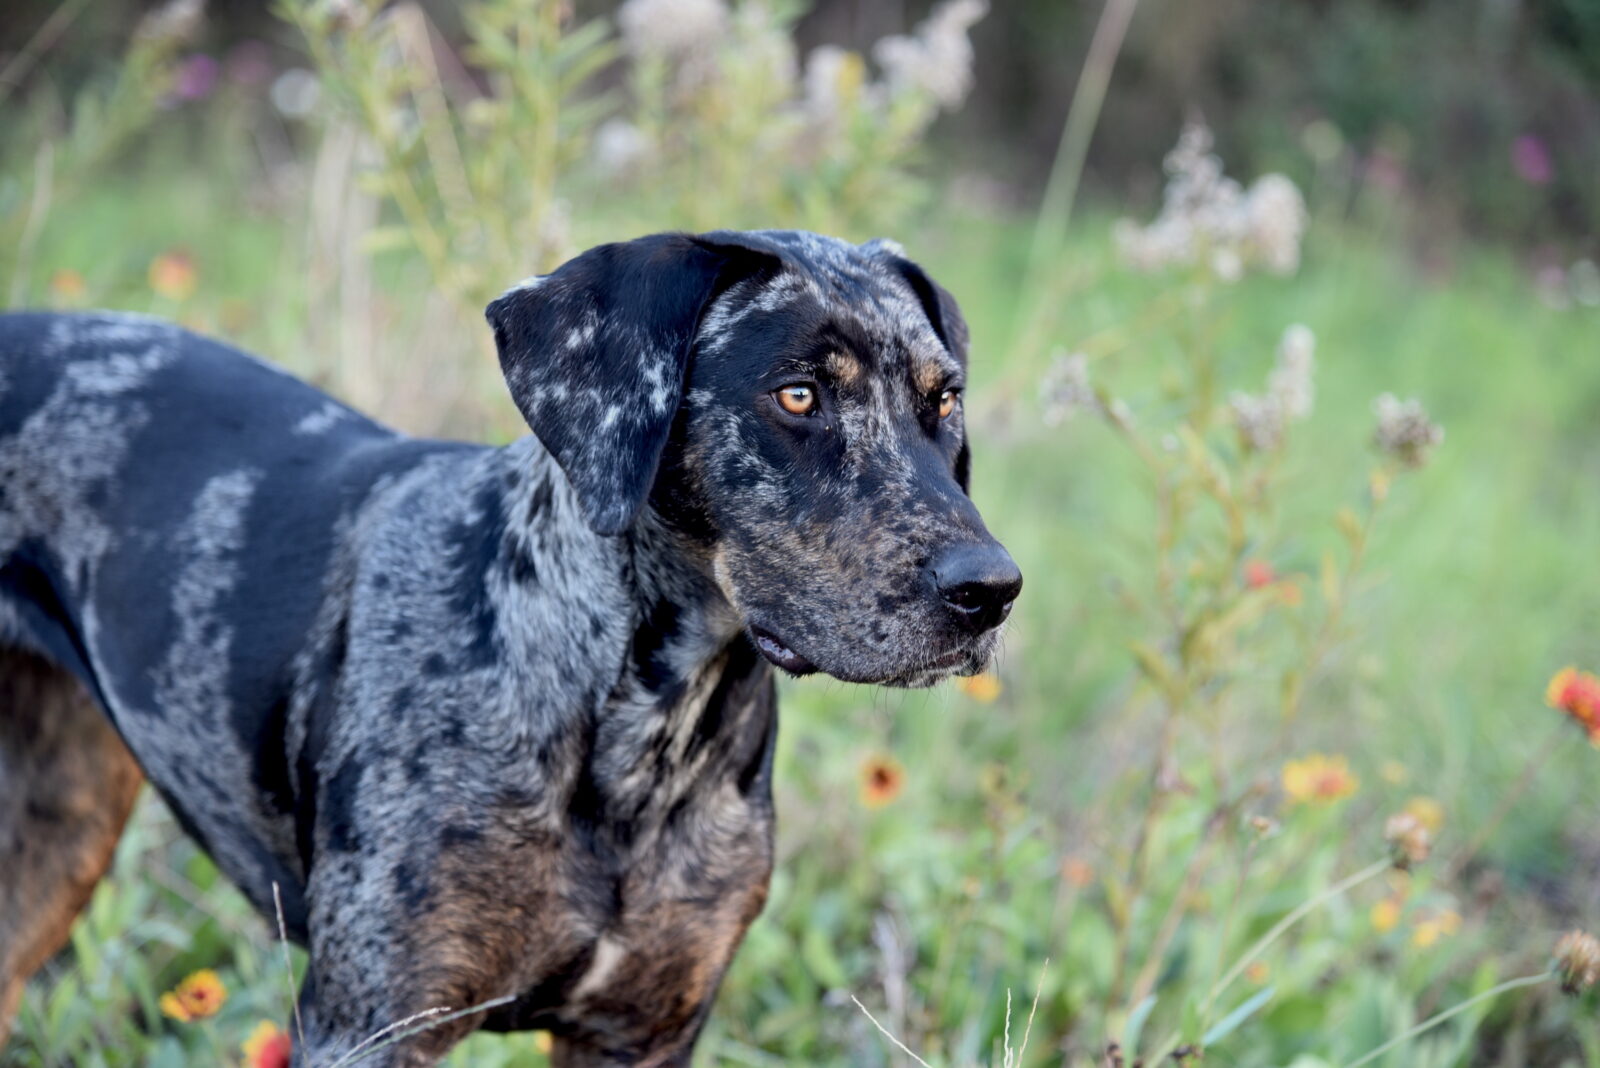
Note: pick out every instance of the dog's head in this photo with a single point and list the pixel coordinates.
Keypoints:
(792, 401)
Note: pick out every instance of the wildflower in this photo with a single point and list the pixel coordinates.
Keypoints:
(1258, 574)
(1208, 218)
(1259, 421)
(1319, 778)
(982, 688)
(1408, 838)
(68, 286)
(195, 77)
(1258, 972)
(1394, 772)
(1066, 389)
(1385, 915)
(543, 1042)
(671, 29)
(882, 779)
(1426, 811)
(1578, 961)
(174, 21)
(1577, 693)
(200, 995)
(620, 147)
(1429, 929)
(1290, 382)
(295, 93)
(1531, 160)
(1077, 872)
(249, 64)
(1264, 827)
(937, 60)
(834, 78)
(267, 1047)
(1404, 430)
(1275, 214)
(172, 275)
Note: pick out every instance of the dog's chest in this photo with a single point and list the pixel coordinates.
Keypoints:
(679, 911)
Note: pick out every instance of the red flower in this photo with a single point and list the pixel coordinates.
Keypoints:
(267, 1047)
(1577, 693)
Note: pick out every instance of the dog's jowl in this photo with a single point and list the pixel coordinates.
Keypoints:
(496, 722)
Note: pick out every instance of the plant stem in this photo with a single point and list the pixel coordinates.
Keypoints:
(1295, 916)
(1439, 1018)
(1062, 188)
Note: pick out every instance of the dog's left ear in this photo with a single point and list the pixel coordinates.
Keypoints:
(937, 303)
(596, 355)
(944, 315)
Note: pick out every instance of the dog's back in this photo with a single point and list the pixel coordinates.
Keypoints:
(126, 443)
(152, 483)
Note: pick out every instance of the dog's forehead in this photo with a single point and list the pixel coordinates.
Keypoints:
(858, 288)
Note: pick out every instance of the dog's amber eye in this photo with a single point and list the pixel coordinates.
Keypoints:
(947, 403)
(798, 399)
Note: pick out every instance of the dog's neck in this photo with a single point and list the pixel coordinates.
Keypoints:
(686, 713)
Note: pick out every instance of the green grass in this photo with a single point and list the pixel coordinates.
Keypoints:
(1480, 584)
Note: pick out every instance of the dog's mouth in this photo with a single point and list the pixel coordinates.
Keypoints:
(780, 654)
(966, 660)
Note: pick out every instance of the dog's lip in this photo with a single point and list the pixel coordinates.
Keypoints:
(771, 647)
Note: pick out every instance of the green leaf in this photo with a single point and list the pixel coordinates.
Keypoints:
(1229, 1023)
(1136, 1021)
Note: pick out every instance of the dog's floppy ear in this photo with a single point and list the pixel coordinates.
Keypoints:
(945, 316)
(937, 303)
(596, 355)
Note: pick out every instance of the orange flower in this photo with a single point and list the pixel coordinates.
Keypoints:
(882, 779)
(173, 275)
(543, 1042)
(1077, 872)
(1430, 929)
(200, 995)
(1259, 573)
(1577, 693)
(1258, 972)
(1426, 811)
(68, 286)
(1385, 915)
(1318, 778)
(982, 688)
(267, 1047)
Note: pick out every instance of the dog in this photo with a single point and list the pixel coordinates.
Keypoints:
(495, 725)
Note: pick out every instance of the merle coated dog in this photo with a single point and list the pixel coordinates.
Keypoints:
(497, 723)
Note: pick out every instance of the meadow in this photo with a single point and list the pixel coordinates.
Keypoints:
(1267, 767)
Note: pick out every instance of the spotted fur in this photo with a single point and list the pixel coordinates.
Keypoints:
(496, 723)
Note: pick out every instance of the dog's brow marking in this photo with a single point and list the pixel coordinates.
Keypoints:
(845, 367)
(932, 374)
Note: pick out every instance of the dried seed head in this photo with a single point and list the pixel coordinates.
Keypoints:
(1578, 961)
(1066, 389)
(1404, 430)
(1409, 839)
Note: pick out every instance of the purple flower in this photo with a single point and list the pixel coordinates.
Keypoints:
(195, 77)
(1531, 160)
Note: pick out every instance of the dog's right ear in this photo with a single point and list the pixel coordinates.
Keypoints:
(596, 355)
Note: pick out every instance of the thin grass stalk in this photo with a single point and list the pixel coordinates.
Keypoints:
(1061, 190)
(1455, 1010)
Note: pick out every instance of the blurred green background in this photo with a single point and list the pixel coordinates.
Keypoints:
(1104, 822)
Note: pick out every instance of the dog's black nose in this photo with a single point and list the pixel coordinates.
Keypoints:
(978, 581)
